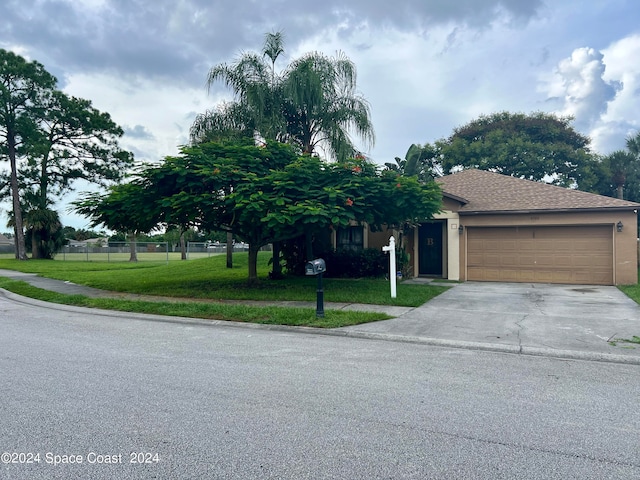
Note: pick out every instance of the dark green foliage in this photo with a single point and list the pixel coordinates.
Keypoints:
(369, 262)
(539, 146)
(262, 194)
(420, 161)
(44, 233)
(616, 174)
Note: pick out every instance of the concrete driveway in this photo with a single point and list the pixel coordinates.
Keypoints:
(526, 318)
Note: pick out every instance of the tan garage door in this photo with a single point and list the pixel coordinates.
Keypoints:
(573, 255)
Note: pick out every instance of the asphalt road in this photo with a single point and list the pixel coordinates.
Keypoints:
(188, 400)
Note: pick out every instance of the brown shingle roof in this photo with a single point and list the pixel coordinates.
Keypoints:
(493, 192)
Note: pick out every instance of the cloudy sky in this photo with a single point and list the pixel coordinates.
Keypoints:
(425, 66)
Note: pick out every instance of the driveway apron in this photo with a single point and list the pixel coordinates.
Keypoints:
(541, 316)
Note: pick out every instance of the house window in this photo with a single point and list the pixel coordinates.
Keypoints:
(350, 238)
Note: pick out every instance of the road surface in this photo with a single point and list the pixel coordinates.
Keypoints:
(90, 395)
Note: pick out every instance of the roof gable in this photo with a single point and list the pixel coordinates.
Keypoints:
(493, 192)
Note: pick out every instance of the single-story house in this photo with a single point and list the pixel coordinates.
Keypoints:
(494, 227)
(4, 240)
(90, 242)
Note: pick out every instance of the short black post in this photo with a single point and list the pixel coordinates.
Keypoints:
(320, 298)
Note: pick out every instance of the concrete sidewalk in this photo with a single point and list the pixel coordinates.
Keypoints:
(563, 321)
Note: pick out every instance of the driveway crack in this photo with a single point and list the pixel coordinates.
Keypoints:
(520, 328)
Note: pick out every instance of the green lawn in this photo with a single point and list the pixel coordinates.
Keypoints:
(632, 291)
(209, 280)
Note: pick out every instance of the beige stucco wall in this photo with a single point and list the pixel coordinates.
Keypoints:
(625, 248)
(379, 239)
(450, 241)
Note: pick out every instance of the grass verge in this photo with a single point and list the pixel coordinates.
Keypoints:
(632, 291)
(208, 278)
(213, 311)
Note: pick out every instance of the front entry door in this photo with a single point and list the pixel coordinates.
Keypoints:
(430, 249)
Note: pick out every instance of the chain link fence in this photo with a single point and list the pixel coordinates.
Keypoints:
(145, 251)
(117, 252)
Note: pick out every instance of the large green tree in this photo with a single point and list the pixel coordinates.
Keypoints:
(538, 146)
(61, 139)
(262, 194)
(311, 196)
(312, 104)
(128, 208)
(73, 141)
(24, 87)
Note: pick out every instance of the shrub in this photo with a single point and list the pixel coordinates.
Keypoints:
(369, 262)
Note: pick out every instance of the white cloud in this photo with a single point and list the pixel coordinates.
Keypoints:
(164, 111)
(621, 59)
(580, 86)
(421, 85)
(601, 89)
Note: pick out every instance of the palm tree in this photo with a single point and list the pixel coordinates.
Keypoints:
(254, 110)
(420, 161)
(321, 107)
(620, 163)
(633, 145)
(45, 229)
(623, 165)
(312, 103)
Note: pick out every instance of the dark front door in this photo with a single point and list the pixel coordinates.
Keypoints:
(430, 249)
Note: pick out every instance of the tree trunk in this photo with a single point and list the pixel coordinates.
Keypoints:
(183, 247)
(21, 252)
(132, 246)
(230, 249)
(277, 267)
(620, 190)
(253, 264)
(308, 244)
(35, 247)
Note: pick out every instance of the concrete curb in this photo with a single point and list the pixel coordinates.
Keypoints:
(487, 347)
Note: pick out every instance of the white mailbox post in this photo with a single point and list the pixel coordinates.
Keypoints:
(391, 248)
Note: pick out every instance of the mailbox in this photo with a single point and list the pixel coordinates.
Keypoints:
(315, 267)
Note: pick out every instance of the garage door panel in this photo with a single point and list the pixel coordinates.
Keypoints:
(545, 276)
(574, 255)
(526, 276)
(510, 259)
(507, 246)
(550, 262)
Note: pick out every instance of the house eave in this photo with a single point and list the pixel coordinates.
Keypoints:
(548, 210)
(451, 196)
